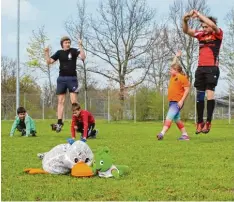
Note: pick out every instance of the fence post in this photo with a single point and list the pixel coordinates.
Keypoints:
(104, 109)
(24, 101)
(108, 100)
(135, 115)
(90, 104)
(195, 107)
(85, 100)
(43, 107)
(163, 104)
(229, 107)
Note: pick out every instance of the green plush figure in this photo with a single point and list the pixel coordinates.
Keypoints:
(103, 165)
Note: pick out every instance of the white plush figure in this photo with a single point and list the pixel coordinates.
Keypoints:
(63, 157)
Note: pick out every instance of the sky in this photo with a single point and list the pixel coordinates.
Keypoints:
(53, 14)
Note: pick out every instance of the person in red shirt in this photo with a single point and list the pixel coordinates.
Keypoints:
(207, 73)
(83, 122)
(178, 90)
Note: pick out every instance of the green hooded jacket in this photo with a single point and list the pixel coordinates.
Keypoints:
(30, 125)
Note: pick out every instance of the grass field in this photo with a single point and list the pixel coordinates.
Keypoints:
(199, 169)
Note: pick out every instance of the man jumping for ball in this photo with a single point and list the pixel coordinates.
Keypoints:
(207, 73)
(67, 79)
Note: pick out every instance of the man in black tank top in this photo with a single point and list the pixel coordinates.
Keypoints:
(67, 79)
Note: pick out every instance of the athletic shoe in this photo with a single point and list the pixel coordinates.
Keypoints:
(59, 127)
(94, 136)
(53, 126)
(40, 155)
(70, 141)
(23, 133)
(199, 127)
(184, 137)
(33, 133)
(206, 128)
(83, 140)
(160, 136)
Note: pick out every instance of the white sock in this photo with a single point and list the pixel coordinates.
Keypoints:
(163, 132)
(185, 134)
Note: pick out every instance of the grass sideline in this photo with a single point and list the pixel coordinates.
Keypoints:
(199, 169)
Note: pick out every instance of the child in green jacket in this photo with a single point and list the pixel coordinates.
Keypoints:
(23, 123)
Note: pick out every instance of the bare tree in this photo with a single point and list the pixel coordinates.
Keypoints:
(177, 40)
(228, 49)
(161, 57)
(8, 83)
(121, 37)
(37, 59)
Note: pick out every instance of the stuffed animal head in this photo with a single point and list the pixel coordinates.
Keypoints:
(79, 152)
(103, 160)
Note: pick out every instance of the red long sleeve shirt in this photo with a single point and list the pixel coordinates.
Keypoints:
(86, 118)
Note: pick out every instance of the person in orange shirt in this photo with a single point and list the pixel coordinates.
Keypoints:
(178, 90)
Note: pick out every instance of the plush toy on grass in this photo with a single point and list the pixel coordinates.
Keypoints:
(75, 158)
(103, 165)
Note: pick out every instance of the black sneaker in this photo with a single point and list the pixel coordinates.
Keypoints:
(53, 126)
(23, 132)
(34, 134)
(93, 134)
(59, 127)
(41, 155)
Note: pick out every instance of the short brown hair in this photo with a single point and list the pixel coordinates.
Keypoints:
(65, 38)
(75, 106)
(213, 19)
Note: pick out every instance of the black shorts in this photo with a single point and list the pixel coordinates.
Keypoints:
(80, 128)
(67, 82)
(206, 78)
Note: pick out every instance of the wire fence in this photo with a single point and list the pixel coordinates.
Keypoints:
(138, 105)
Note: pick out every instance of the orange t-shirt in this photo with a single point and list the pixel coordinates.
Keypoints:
(176, 87)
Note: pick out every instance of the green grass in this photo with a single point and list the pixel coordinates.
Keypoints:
(200, 169)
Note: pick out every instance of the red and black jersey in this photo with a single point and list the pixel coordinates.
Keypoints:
(209, 46)
(85, 117)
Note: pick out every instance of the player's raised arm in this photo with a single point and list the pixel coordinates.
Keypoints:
(175, 59)
(186, 28)
(206, 20)
(49, 60)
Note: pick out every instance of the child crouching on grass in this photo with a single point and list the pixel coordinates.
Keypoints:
(83, 122)
(23, 123)
(178, 90)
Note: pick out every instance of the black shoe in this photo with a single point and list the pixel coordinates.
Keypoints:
(34, 134)
(93, 134)
(59, 127)
(23, 132)
(53, 126)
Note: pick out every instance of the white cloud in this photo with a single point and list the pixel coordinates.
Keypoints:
(27, 10)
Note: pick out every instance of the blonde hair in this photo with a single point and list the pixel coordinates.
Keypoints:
(178, 68)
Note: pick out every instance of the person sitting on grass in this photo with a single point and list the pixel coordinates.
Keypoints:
(23, 123)
(83, 122)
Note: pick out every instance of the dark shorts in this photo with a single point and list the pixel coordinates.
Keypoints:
(81, 128)
(67, 82)
(206, 78)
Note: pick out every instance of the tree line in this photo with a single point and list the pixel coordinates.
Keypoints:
(132, 45)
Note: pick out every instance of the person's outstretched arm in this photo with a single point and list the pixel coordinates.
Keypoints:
(50, 60)
(14, 125)
(175, 59)
(206, 20)
(82, 53)
(186, 28)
